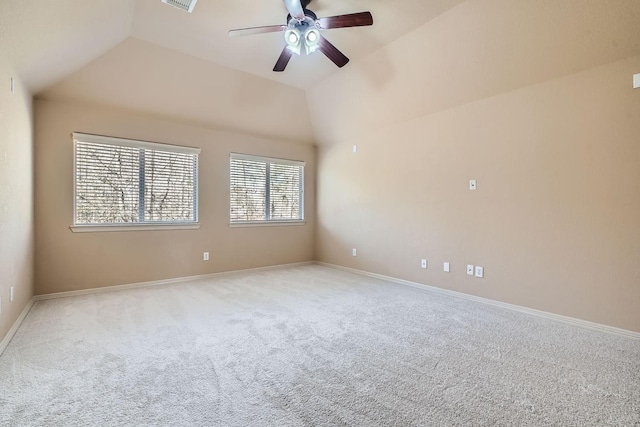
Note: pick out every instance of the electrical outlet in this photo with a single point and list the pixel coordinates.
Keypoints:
(470, 269)
(472, 184)
(423, 264)
(479, 271)
(11, 294)
(354, 252)
(205, 256)
(445, 267)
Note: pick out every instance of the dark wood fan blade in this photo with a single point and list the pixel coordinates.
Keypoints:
(282, 62)
(361, 19)
(256, 30)
(332, 52)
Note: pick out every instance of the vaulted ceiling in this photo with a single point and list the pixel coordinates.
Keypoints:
(50, 39)
(420, 56)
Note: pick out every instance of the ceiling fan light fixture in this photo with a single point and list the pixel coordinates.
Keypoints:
(312, 36)
(292, 37)
(303, 27)
(311, 40)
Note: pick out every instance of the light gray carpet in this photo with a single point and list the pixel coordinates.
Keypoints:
(309, 346)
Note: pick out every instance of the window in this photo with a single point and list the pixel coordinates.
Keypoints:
(122, 182)
(265, 190)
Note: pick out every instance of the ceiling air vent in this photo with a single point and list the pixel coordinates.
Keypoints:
(187, 5)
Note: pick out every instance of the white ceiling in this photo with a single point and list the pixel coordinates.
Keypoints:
(420, 56)
(204, 33)
(48, 40)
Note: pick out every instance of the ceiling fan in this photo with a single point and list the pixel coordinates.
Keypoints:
(303, 30)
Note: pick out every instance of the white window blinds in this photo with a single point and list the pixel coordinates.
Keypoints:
(265, 189)
(120, 181)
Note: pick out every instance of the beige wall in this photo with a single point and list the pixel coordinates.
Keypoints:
(555, 220)
(16, 198)
(69, 261)
(532, 99)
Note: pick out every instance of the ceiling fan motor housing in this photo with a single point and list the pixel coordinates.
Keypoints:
(309, 14)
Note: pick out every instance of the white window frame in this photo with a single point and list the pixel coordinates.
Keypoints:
(269, 222)
(138, 226)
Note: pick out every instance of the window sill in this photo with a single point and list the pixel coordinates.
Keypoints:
(266, 224)
(132, 227)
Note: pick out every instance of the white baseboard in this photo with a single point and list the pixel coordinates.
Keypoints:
(5, 341)
(559, 318)
(7, 338)
(564, 319)
(163, 282)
